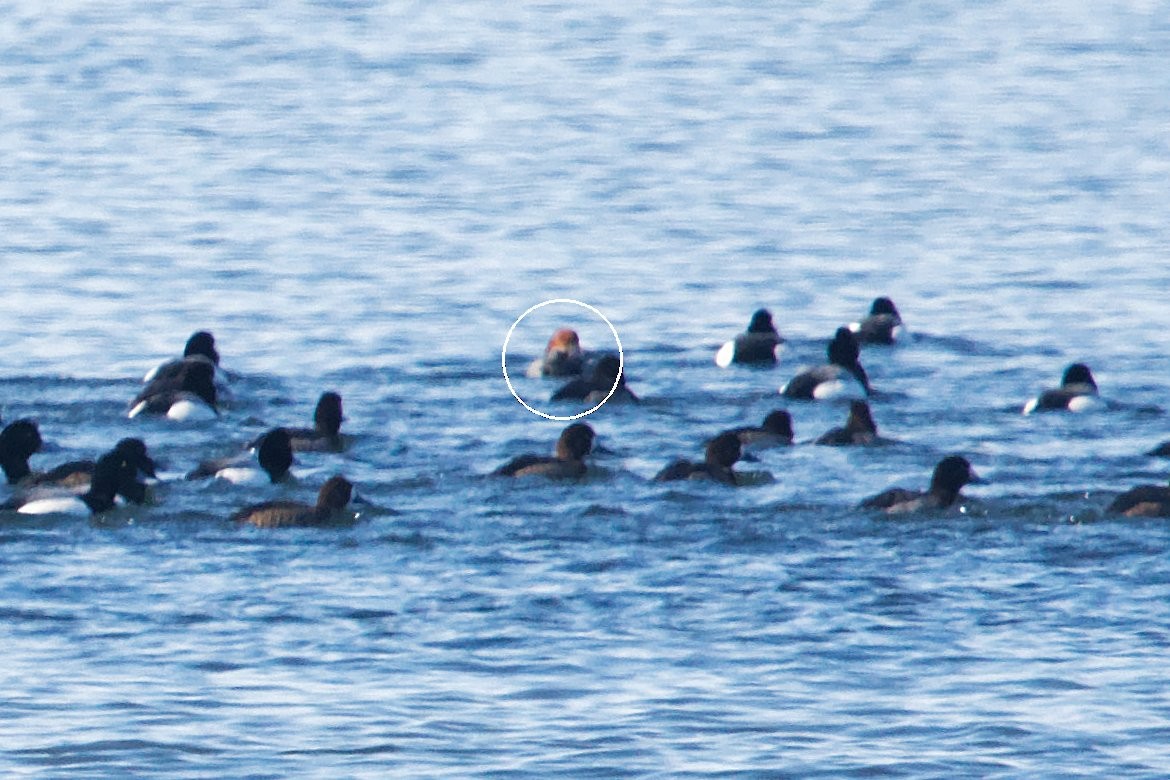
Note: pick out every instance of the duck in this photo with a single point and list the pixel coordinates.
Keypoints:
(574, 443)
(189, 394)
(755, 346)
(883, 324)
(1077, 393)
(562, 356)
(200, 346)
(112, 476)
(1143, 501)
(950, 475)
(721, 454)
(274, 456)
(859, 428)
(325, 435)
(607, 381)
(19, 441)
(76, 474)
(332, 499)
(841, 376)
(774, 431)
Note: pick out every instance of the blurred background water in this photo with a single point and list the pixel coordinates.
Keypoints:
(364, 197)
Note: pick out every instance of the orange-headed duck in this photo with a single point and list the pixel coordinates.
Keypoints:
(562, 357)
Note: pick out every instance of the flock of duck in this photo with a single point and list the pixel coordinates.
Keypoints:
(188, 388)
(183, 389)
(842, 375)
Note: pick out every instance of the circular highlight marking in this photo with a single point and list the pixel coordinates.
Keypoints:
(579, 415)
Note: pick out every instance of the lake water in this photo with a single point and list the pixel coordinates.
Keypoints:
(365, 197)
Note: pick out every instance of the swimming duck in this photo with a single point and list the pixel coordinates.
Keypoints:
(18, 442)
(189, 394)
(859, 428)
(841, 376)
(1143, 501)
(574, 443)
(200, 346)
(332, 499)
(1077, 392)
(593, 390)
(112, 475)
(722, 452)
(755, 346)
(951, 473)
(775, 431)
(325, 435)
(883, 324)
(78, 473)
(273, 454)
(562, 356)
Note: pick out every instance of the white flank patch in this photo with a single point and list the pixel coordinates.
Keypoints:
(188, 410)
(243, 475)
(725, 355)
(1084, 403)
(61, 505)
(839, 388)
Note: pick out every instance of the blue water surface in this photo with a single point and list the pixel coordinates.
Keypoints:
(365, 196)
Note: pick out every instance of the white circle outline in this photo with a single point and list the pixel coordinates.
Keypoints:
(612, 390)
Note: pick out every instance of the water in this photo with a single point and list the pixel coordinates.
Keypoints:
(364, 198)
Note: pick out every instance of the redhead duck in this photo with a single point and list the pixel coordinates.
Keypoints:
(562, 356)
